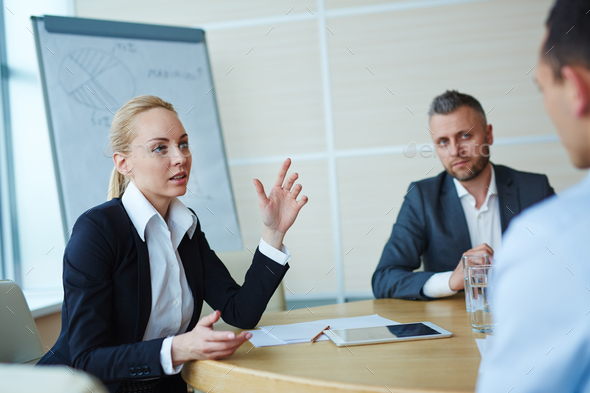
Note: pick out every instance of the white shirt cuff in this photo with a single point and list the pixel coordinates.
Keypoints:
(438, 285)
(279, 256)
(166, 358)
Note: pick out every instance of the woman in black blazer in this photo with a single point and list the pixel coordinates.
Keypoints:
(110, 273)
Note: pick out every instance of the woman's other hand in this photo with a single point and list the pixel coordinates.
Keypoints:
(280, 209)
(204, 343)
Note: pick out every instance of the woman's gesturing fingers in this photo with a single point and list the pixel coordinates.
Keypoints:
(205, 343)
(282, 173)
(296, 190)
(209, 320)
(280, 208)
(302, 201)
(262, 199)
(290, 180)
(223, 336)
(224, 345)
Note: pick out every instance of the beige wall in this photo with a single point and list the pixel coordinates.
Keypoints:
(342, 87)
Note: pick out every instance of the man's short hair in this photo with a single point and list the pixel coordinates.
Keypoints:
(451, 100)
(568, 39)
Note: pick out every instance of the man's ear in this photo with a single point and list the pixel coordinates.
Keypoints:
(122, 164)
(577, 90)
(490, 134)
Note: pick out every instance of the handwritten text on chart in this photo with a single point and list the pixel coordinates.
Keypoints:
(124, 47)
(159, 73)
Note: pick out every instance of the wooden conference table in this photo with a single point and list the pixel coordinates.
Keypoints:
(441, 365)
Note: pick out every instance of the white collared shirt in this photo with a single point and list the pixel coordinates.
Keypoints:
(484, 226)
(172, 300)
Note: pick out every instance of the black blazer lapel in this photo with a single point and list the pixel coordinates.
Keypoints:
(507, 196)
(144, 281)
(454, 214)
(144, 284)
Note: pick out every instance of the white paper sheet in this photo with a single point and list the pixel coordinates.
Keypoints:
(305, 331)
(262, 339)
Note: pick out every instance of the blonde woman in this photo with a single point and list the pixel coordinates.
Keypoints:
(138, 267)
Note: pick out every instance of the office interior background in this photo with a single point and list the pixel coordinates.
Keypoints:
(341, 87)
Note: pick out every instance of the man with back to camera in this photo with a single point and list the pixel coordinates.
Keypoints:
(464, 210)
(540, 282)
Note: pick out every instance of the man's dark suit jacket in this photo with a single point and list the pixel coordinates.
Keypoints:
(431, 226)
(107, 297)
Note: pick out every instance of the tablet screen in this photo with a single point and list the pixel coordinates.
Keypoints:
(386, 332)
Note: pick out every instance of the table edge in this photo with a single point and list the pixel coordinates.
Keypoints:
(221, 369)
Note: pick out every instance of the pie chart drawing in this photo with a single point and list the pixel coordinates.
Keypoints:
(96, 79)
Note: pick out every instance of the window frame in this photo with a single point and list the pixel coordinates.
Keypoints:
(9, 236)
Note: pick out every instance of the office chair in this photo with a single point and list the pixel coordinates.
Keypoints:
(20, 341)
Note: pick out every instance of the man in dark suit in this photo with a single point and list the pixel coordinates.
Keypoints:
(464, 210)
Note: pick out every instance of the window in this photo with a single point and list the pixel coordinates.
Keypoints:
(32, 236)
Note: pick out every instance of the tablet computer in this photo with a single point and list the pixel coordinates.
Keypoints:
(385, 334)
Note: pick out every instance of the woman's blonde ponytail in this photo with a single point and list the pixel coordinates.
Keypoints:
(117, 185)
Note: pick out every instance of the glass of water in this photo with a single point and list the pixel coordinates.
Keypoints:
(472, 260)
(478, 278)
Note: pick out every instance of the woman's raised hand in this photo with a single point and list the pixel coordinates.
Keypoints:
(280, 208)
(204, 343)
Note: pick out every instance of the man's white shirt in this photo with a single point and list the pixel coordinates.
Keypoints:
(172, 300)
(484, 226)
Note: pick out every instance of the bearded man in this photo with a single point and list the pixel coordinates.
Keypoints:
(464, 210)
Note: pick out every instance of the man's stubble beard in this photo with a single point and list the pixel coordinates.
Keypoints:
(478, 167)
